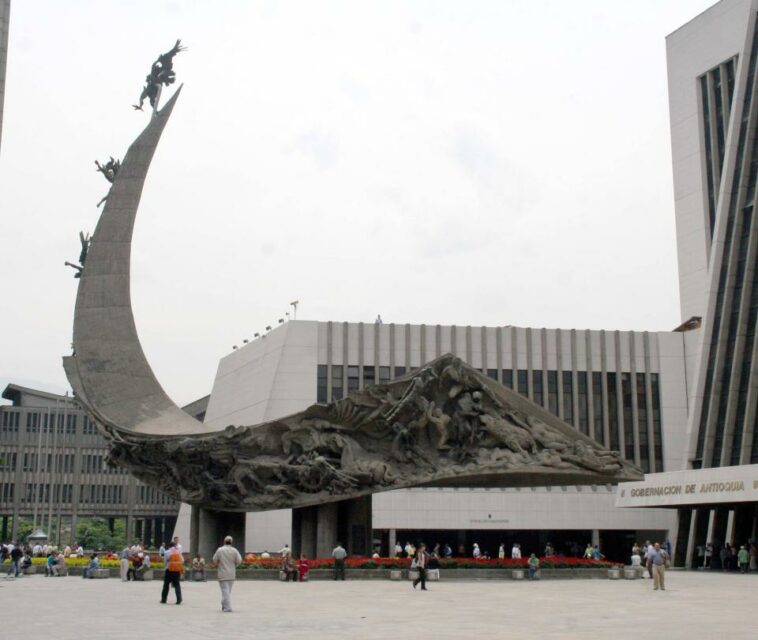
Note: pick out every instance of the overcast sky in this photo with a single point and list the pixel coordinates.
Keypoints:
(482, 163)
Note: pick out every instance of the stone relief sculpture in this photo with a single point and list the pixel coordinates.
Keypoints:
(446, 424)
(388, 436)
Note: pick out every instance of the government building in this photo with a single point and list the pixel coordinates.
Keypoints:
(682, 405)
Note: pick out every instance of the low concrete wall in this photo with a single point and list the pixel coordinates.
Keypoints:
(384, 574)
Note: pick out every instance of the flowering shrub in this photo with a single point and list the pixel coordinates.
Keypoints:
(553, 562)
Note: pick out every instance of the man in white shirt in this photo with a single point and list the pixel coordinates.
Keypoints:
(286, 552)
(227, 558)
(339, 554)
(516, 551)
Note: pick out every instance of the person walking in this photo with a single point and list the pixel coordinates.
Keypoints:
(339, 554)
(124, 564)
(743, 558)
(659, 560)
(422, 562)
(173, 573)
(15, 556)
(227, 558)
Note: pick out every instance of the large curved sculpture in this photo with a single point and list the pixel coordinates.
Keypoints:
(444, 425)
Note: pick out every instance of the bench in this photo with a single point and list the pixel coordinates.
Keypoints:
(614, 574)
(27, 571)
(633, 572)
(396, 574)
(142, 576)
(517, 574)
(98, 574)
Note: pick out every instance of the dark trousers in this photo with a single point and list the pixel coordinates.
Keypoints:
(339, 569)
(421, 577)
(171, 578)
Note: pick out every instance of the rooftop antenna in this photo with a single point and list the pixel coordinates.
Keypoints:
(294, 304)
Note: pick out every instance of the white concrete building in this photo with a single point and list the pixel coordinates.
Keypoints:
(626, 389)
(713, 62)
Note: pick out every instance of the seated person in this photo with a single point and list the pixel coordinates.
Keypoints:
(144, 565)
(26, 562)
(534, 566)
(198, 568)
(60, 565)
(50, 568)
(636, 560)
(289, 570)
(94, 563)
(134, 563)
(302, 567)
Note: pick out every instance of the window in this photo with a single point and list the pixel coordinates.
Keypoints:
(523, 382)
(352, 379)
(552, 392)
(597, 406)
(8, 461)
(537, 387)
(321, 372)
(369, 376)
(582, 398)
(399, 372)
(642, 423)
(508, 378)
(657, 436)
(626, 399)
(568, 397)
(384, 375)
(492, 373)
(337, 386)
(32, 422)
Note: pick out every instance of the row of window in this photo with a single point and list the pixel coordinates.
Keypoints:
(57, 463)
(729, 355)
(37, 422)
(88, 494)
(625, 392)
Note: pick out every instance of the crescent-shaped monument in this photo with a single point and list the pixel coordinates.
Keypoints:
(446, 424)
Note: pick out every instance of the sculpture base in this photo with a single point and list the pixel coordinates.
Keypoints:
(208, 528)
(316, 530)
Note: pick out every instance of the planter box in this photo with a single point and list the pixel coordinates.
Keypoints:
(614, 574)
(396, 574)
(631, 573)
(517, 574)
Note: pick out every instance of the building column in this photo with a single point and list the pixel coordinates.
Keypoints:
(595, 537)
(304, 527)
(729, 535)
(326, 529)
(392, 542)
(148, 535)
(691, 542)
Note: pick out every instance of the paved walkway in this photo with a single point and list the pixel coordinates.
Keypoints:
(694, 606)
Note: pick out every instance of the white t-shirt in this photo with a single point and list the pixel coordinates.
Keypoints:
(516, 553)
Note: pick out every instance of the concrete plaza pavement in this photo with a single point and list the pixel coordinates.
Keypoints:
(694, 605)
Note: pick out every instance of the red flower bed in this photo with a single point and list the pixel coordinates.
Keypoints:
(553, 562)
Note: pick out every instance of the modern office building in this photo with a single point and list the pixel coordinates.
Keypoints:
(5, 14)
(712, 64)
(53, 473)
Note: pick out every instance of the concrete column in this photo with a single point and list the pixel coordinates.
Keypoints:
(392, 541)
(691, 542)
(308, 528)
(711, 524)
(357, 524)
(729, 535)
(326, 529)
(595, 537)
